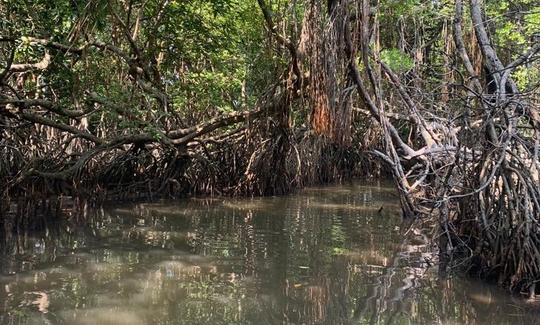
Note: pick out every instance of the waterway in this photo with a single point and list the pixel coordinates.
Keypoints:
(326, 255)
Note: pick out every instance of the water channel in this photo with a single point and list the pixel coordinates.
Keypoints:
(326, 255)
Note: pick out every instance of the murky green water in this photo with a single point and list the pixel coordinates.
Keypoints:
(324, 256)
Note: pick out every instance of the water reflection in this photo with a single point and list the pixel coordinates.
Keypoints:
(332, 255)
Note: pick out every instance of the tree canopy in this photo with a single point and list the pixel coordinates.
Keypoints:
(123, 98)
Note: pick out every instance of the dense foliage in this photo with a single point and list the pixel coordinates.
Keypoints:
(108, 99)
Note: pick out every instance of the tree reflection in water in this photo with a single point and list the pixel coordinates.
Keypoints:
(324, 256)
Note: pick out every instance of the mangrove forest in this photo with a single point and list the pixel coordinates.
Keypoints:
(269, 161)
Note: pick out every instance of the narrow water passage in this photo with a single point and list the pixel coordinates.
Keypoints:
(329, 255)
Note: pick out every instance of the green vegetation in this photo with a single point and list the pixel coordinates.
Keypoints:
(133, 99)
(397, 60)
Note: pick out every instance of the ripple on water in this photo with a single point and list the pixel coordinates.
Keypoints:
(323, 256)
(104, 316)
